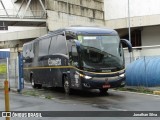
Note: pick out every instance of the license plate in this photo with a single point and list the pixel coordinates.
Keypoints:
(106, 86)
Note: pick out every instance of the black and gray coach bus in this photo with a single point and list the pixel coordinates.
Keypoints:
(76, 58)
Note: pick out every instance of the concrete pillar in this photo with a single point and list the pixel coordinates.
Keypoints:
(13, 68)
(13, 53)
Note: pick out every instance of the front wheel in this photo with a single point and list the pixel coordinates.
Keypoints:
(67, 85)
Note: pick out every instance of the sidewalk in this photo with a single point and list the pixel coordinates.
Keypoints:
(154, 90)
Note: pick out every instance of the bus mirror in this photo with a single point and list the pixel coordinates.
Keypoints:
(24, 61)
(74, 50)
(128, 44)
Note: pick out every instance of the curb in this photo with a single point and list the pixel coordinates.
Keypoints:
(13, 90)
(10, 90)
(156, 92)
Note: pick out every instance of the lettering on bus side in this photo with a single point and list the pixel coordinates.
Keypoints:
(54, 62)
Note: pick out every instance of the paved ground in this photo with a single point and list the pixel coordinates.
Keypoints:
(13, 83)
(81, 101)
(56, 100)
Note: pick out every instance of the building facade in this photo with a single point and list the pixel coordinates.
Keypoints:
(144, 16)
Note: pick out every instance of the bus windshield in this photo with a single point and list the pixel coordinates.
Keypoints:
(101, 53)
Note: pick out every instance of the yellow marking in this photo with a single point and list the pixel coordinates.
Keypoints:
(156, 92)
(72, 67)
(48, 67)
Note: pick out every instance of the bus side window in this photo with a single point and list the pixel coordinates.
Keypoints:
(27, 50)
(44, 46)
(36, 49)
(24, 51)
(58, 45)
(31, 51)
(52, 49)
(61, 45)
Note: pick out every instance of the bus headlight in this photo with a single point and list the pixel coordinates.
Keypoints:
(122, 75)
(84, 76)
(87, 77)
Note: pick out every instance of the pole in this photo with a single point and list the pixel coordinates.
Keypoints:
(68, 12)
(129, 28)
(6, 94)
(18, 68)
(8, 73)
(6, 91)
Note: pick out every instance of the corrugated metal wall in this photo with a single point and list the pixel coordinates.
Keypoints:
(4, 54)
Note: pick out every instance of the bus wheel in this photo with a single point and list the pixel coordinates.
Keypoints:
(33, 83)
(39, 86)
(66, 85)
(103, 91)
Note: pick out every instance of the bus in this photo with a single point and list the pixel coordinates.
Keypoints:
(76, 58)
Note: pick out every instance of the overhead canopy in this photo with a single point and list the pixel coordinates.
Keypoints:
(16, 0)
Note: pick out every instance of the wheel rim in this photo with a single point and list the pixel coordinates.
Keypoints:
(32, 83)
(66, 86)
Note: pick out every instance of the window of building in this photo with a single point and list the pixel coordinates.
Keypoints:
(135, 38)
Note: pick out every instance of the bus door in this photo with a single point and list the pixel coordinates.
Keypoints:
(74, 61)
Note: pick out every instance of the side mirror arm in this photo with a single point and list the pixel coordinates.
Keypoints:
(128, 43)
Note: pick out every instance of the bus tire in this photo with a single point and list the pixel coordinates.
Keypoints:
(33, 83)
(103, 91)
(66, 85)
(39, 86)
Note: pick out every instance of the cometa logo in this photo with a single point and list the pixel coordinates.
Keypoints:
(54, 62)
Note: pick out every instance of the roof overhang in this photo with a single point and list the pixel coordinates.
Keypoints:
(16, 0)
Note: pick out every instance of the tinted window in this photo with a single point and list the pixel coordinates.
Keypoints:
(36, 48)
(52, 49)
(27, 50)
(31, 54)
(24, 51)
(61, 45)
(58, 45)
(44, 46)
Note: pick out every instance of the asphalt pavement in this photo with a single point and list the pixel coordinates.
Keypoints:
(82, 101)
(55, 100)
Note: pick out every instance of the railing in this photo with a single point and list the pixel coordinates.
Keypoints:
(30, 14)
(141, 51)
(12, 72)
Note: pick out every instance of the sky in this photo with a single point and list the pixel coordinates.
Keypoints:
(7, 3)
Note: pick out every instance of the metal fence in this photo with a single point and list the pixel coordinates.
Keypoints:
(30, 14)
(11, 74)
(3, 71)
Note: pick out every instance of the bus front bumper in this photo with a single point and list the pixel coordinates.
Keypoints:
(103, 82)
